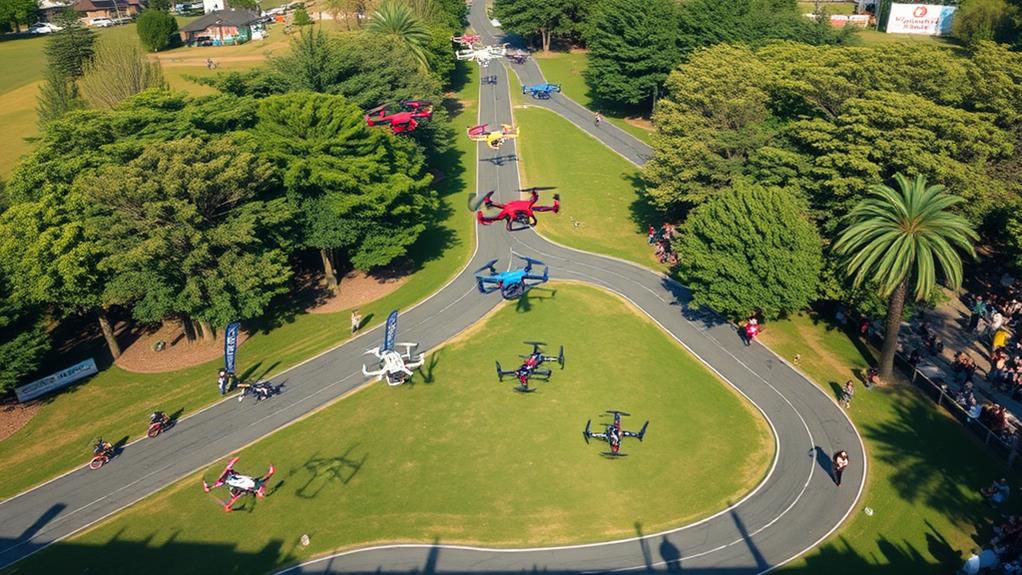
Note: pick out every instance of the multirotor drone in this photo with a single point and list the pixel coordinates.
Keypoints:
(467, 40)
(414, 112)
(518, 214)
(481, 54)
(494, 139)
(531, 367)
(541, 91)
(239, 485)
(394, 365)
(613, 434)
(517, 56)
(513, 283)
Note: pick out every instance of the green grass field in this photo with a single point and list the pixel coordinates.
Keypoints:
(566, 69)
(460, 458)
(599, 199)
(924, 469)
(115, 403)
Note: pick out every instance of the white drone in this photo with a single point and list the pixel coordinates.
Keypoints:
(482, 55)
(396, 366)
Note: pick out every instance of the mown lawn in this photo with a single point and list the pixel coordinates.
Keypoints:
(461, 458)
(566, 69)
(601, 210)
(116, 403)
(924, 468)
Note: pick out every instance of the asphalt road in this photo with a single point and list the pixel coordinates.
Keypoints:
(788, 513)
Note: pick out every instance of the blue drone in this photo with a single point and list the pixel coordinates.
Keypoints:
(513, 283)
(541, 91)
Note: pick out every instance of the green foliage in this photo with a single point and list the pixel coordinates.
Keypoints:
(395, 21)
(120, 70)
(244, 4)
(70, 50)
(157, 29)
(981, 20)
(163, 5)
(310, 66)
(57, 96)
(23, 340)
(19, 13)
(826, 123)
(301, 17)
(540, 19)
(631, 49)
(896, 234)
(751, 248)
(190, 228)
(360, 191)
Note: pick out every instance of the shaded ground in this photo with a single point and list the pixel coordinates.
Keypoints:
(357, 288)
(177, 352)
(14, 416)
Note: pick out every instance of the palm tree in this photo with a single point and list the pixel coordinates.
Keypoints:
(894, 236)
(397, 19)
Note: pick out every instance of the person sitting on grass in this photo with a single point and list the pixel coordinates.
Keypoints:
(848, 393)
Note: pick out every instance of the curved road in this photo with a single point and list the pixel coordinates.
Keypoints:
(795, 507)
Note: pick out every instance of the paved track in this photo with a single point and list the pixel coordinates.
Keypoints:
(794, 507)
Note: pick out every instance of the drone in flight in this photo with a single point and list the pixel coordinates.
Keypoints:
(513, 283)
(467, 40)
(394, 365)
(531, 367)
(520, 212)
(414, 112)
(493, 139)
(517, 56)
(239, 485)
(541, 91)
(481, 54)
(613, 434)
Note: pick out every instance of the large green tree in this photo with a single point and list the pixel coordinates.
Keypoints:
(23, 339)
(70, 50)
(982, 20)
(632, 47)
(539, 19)
(18, 13)
(895, 238)
(57, 96)
(397, 22)
(751, 248)
(157, 29)
(361, 192)
(192, 229)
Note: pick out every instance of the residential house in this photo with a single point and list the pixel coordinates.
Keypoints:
(222, 27)
(89, 9)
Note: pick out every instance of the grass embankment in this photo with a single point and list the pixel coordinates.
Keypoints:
(459, 457)
(924, 469)
(566, 69)
(115, 403)
(601, 208)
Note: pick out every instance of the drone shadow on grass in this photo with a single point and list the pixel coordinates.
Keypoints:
(427, 369)
(524, 303)
(323, 471)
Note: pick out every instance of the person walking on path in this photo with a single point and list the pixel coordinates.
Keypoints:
(598, 119)
(840, 463)
(848, 393)
(356, 320)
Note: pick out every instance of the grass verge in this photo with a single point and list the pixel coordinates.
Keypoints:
(115, 404)
(924, 469)
(456, 456)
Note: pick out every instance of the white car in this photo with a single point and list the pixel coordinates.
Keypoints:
(43, 28)
(101, 22)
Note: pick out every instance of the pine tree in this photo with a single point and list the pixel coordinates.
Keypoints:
(70, 50)
(57, 96)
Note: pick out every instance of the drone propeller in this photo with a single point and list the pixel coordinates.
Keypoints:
(379, 108)
(560, 357)
(474, 205)
(529, 261)
(487, 267)
(642, 432)
(585, 434)
(538, 189)
(616, 412)
(535, 345)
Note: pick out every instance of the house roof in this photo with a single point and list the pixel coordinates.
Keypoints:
(223, 18)
(92, 5)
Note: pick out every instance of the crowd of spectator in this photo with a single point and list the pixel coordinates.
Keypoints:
(663, 239)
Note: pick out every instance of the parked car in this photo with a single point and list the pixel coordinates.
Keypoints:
(122, 20)
(101, 22)
(43, 28)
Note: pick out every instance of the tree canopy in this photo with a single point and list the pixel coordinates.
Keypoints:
(751, 249)
(540, 19)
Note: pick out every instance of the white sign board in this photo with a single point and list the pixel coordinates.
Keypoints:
(929, 19)
(57, 380)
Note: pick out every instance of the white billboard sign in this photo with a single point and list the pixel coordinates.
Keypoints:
(929, 19)
(57, 380)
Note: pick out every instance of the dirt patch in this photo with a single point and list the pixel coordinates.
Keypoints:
(14, 416)
(177, 353)
(643, 123)
(359, 288)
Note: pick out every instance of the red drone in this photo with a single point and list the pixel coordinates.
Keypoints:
(467, 40)
(414, 112)
(519, 212)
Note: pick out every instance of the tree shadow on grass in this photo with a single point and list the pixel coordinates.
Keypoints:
(641, 211)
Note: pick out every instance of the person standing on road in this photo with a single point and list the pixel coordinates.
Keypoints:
(840, 463)
(598, 119)
(356, 320)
